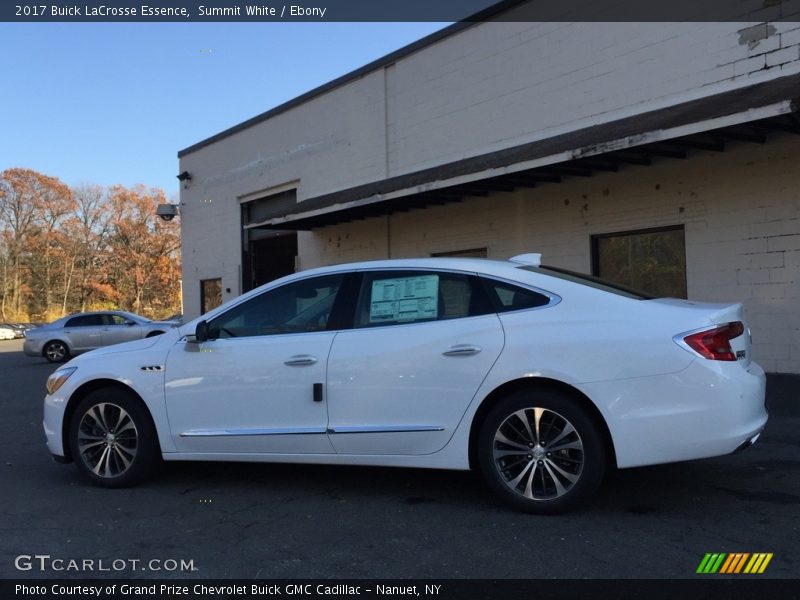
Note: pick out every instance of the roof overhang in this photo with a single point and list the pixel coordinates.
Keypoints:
(746, 114)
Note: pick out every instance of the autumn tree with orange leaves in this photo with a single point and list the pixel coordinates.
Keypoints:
(64, 250)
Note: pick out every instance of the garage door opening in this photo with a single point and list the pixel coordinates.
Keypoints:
(266, 254)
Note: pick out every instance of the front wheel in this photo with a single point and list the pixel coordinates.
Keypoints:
(541, 452)
(112, 438)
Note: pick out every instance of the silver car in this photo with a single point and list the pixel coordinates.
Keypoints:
(82, 332)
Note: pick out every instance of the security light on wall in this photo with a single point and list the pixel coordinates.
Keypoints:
(184, 177)
(167, 212)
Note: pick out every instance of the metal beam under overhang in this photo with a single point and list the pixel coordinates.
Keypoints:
(596, 149)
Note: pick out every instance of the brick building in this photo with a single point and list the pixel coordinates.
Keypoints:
(663, 155)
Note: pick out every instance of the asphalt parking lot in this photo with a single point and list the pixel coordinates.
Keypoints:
(287, 521)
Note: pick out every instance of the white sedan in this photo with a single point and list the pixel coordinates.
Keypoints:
(539, 378)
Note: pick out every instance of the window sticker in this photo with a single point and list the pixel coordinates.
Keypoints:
(404, 299)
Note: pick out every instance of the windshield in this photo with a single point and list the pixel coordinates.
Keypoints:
(591, 281)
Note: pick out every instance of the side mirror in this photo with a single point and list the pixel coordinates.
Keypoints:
(201, 331)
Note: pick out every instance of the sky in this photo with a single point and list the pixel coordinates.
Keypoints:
(112, 103)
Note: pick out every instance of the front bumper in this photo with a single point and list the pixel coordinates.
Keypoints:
(32, 347)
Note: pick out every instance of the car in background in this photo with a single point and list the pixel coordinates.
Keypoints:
(7, 333)
(19, 328)
(539, 378)
(81, 332)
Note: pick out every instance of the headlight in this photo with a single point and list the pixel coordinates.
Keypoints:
(59, 378)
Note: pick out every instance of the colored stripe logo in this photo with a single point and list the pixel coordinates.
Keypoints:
(734, 563)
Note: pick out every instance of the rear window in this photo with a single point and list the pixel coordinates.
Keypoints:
(507, 297)
(590, 280)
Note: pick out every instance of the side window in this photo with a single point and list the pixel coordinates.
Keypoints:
(399, 297)
(507, 297)
(85, 321)
(298, 307)
(114, 320)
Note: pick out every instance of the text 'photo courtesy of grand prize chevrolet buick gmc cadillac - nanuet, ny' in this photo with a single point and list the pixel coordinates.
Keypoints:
(539, 378)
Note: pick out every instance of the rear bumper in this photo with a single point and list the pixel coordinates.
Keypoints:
(711, 408)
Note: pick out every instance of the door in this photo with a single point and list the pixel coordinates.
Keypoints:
(400, 381)
(252, 388)
(118, 329)
(84, 332)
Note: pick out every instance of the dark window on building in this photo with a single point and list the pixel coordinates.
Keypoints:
(266, 254)
(651, 260)
(210, 294)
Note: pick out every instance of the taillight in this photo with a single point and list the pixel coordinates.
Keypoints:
(715, 344)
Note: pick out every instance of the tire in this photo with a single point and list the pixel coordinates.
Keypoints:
(56, 351)
(515, 459)
(112, 438)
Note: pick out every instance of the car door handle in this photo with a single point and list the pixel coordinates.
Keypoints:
(300, 360)
(462, 350)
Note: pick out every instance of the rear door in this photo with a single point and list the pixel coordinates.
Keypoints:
(402, 378)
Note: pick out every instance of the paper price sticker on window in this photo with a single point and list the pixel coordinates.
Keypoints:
(404, 299)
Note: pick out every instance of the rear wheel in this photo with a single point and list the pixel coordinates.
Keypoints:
(112, 438)
(541, 452)
(56, 351)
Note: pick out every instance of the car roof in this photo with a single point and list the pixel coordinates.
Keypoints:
(477, 265)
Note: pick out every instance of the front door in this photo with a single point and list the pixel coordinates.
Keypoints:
(252, 388)
(117, 329)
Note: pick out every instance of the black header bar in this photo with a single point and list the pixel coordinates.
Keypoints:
(398, 10)
(698, 587)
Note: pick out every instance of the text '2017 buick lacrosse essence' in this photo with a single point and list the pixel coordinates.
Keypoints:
(539, 378)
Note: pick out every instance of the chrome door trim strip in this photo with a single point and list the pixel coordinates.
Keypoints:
(384, 428)
(260, 431)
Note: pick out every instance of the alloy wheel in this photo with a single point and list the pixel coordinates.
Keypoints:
(107, 440)
(538, 453)
(55, 352)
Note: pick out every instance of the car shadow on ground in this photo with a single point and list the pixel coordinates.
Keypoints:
(663, 488)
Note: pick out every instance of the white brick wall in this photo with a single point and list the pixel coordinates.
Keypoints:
(742, 233)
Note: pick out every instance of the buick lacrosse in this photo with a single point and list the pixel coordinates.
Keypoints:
(539, 378)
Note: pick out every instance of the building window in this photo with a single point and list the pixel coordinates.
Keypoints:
(210, 294)
(650, 260)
